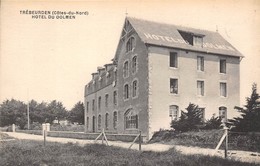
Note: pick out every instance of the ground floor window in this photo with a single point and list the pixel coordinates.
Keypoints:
(87, 122)
(115, 120)
(131, 119)
(106, 121)
(173, 112)
(223, 113)
(99, 122)
(202, 114)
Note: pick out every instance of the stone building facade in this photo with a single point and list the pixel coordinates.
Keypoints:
(157, 70)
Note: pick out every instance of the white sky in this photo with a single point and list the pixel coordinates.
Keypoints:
(53, 59)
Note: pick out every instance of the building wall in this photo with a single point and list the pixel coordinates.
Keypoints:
(92, 92)
(140, 102)
(160, 73)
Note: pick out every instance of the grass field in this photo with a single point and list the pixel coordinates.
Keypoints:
(4, 136)
(27, 153)
(208, 139)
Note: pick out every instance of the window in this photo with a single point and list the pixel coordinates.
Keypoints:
(223, 89)
(99, 122)
(106, 100)
(99, 102)
(87, 106)
(223, 113)
(222, 66)
(126, 91)
(192, 39)
(173, 59)
(134, 88)
(174, 86)
(202, 113)
(106, 121)
(200, 88)
(131, 119)
(93, 105)
(130, 44)
(87, 122)
(115, 98)
(134, 64)
(125, 69)
(173, 112)
(115, 120)
(200, 63)
(197, 41)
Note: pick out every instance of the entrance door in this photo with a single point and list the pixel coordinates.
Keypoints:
(94, 124)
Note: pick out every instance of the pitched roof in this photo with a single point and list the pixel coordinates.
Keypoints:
(169, 36)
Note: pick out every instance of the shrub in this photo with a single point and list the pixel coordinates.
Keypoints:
(189, 120)
(213, 123)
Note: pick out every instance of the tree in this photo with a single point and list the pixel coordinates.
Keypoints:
(38, 111)
(13, 112)
(189, 120)
(250, 115)
(77, 113)
(55, 109)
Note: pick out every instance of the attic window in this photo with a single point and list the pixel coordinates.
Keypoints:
(192, 39)
(130, 44)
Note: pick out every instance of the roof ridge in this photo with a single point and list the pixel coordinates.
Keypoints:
(169, 24)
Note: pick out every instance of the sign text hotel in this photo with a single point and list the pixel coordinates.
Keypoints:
(182, 41)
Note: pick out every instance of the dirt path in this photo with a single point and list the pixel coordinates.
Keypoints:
(245, 156)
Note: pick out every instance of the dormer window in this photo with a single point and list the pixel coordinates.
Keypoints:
(197, 41)
(192, 39)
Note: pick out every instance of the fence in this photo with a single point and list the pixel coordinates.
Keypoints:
(138, 137)
(254, 145)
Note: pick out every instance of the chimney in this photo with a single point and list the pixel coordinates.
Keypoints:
(109, 66)
(94, 75)
(100, 70)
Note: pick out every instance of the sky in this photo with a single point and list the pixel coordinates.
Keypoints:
(52, 59)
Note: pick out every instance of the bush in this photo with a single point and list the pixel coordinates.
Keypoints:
(36, 126)
(213, 123)
(190, 120)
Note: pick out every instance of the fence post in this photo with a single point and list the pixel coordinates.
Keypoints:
(44, 137)
(48, 127)
(140, 140)
(13, 128)
(226, 147)
(43, 128)
(102, 136)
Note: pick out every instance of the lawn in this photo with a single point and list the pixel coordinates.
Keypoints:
(208, 139)
(24, 153)
(4, 136)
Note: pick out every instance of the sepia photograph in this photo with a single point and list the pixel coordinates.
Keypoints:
(152, 83)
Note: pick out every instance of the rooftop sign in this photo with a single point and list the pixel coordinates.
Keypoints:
(182, 41)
